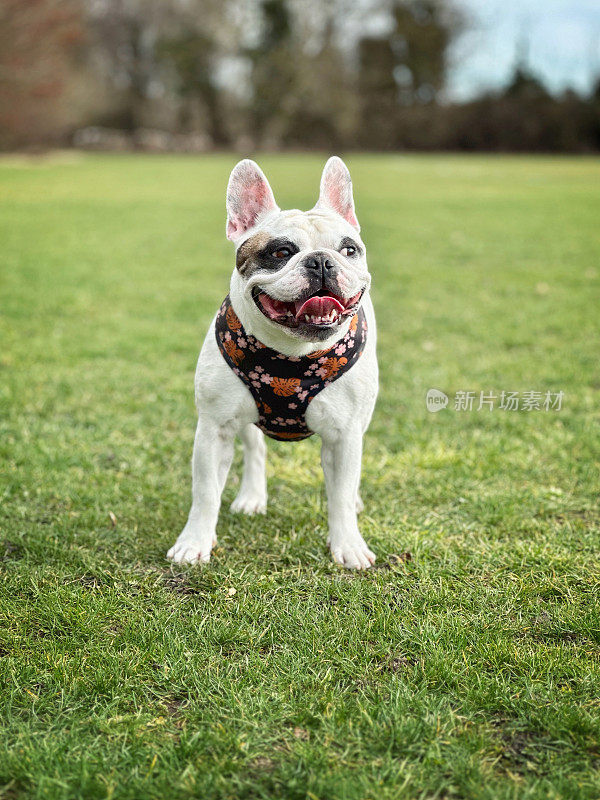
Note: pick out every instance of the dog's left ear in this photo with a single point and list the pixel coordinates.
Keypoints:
(249, 197)
(336, 191)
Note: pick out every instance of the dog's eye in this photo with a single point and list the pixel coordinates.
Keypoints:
(348, 250)
(283, 252)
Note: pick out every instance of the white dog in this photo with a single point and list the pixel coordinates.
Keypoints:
(290, 353)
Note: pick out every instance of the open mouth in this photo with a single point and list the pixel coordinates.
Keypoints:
(322, 309)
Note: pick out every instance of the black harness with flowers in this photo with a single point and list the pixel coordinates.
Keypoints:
(283, 386)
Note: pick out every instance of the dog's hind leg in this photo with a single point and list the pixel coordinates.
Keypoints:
(252, 496)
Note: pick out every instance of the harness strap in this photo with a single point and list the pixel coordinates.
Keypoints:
(283, 386)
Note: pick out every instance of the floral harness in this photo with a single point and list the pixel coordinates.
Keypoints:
(283, 386)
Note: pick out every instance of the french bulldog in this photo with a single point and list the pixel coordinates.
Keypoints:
(298, 302)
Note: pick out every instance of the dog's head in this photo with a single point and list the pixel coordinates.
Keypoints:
(300, 275)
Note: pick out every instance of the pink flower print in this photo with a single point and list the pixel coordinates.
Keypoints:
(253, 375)
(340, 349)
(227, 336)
(302, 396)
(322, 372)
(292, 405)
(258, 368)
(290, 421)
(256, 384)
(242, 342)
(266, 378)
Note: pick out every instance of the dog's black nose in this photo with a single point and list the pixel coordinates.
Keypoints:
(319, 262)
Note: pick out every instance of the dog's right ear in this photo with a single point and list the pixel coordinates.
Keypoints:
(249, 197)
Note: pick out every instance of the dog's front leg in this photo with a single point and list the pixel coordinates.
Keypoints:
(213, 452)
(341, 453)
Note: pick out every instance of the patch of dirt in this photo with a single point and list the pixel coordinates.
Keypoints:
(179, 583)
(393, 561)
(174, 708)
(516, 747)
(542, 630)
(588, 515)
(10, 551)
(262, 763)
(91, 582)
(396, 663)
(301, 733)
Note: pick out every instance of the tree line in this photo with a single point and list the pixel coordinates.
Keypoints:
(262, 74)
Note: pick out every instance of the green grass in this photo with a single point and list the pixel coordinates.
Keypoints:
(467, 669)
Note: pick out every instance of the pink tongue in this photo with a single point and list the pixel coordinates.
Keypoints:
(318, 307)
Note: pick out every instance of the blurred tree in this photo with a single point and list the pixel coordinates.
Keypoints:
(407, 66)
(525, 86)
(40, 44)
(124, 35)
(378, 94)
(274, 65)
(421, 38)
(192, 56)
(321, 109)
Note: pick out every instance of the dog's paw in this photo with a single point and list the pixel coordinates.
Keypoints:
(352, 553)
(360, 506)
(191, 548)
(250, 502)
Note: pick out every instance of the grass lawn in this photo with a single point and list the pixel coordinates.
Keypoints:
(466, 664)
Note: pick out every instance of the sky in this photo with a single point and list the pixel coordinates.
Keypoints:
(561, 39)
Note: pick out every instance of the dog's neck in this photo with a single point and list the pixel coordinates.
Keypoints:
(276, 337)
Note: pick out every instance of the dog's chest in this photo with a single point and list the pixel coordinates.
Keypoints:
(283, 386)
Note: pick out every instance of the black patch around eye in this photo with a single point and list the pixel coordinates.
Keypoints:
(348, 242)
(267, 260)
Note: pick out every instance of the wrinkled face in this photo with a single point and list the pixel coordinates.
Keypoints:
(306, 272)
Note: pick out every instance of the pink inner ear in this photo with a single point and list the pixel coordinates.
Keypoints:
(252, 198)
(338, 193)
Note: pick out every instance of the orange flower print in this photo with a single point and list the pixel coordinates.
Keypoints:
(233, 351)
(287, 435)
(318, 353)
(285, 387)
(332, 366)
(233, 321)
(267, 408)
(353, 323)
